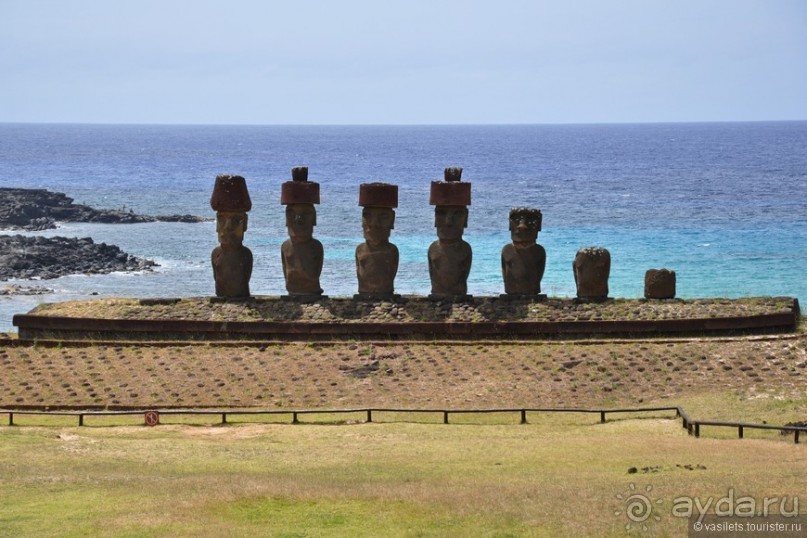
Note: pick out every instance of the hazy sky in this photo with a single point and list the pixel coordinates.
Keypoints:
(413, 61)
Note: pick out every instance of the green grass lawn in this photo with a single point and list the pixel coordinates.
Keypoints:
(559, 475)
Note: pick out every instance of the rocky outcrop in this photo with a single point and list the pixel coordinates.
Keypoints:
(40, 209)
(16, 289)
(51, 257)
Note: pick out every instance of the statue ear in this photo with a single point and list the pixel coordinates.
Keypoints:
(246, 221)
(392, 220)
(465, 217)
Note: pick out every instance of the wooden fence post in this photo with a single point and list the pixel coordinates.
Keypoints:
(740, 431)
(523, 416)
(11, 421)
(445, 417)
(81, 419)
(369, 415)
(697, 430)
(602, 416)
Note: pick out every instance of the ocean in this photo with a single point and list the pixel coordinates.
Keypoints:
(722, 204)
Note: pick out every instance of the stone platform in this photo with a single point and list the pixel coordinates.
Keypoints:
(406, 318)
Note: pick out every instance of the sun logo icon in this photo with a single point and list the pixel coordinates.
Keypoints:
(638, 507)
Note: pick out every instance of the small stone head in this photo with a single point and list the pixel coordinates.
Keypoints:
(525, 223)
(230, 200)
(451, 198)
(378, 215)
(299, 196)
(300, 221)
(450, 221)
(230, 227)
(377, 224)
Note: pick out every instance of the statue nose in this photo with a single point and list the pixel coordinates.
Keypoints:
(522, 225)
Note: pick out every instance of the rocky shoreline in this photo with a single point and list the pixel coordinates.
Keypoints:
(24, 257)
(16, 289)
(40, 209)
(33, 210)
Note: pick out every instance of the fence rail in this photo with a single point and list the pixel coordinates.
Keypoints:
(693, 427)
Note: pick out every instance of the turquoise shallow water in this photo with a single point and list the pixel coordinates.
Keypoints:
(724, 205)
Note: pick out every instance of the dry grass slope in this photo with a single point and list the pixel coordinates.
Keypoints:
(338, 375)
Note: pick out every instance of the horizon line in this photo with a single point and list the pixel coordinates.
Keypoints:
(484, 124)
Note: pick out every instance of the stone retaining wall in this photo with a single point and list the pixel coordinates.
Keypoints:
(482, 318)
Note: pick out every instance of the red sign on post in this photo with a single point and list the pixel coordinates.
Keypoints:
(152, 418)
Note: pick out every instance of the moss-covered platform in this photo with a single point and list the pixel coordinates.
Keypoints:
(275, 318)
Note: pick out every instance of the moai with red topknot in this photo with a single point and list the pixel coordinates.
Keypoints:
(450, 256)
(377, 258)
(231, 260)
(301, 254)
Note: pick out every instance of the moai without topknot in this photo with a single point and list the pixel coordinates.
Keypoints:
(377, 258)
(592, 266)
(659, 284)
(301, 254)
(523, 260)
(450, 256)
(231, 260)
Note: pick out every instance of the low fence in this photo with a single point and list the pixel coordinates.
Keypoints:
(152, 416)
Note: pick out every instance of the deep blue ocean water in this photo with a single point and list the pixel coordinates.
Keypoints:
(722, 204)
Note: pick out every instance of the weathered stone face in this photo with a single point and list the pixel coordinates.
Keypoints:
(659, 284)
(230, 226)
(300, 221)
(524, 226)
(592, 266)
(450, 222)
(377, 224)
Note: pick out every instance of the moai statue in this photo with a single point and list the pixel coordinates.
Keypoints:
(659, 284)
(592, 265)
(450, 257)
(301, 254)
(231, 260)
(523, 261)
(377, 258)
